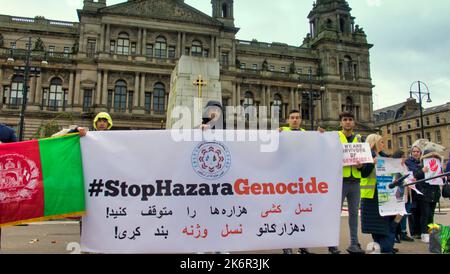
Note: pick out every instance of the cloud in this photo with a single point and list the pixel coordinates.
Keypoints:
(74, 3)
(373, 3)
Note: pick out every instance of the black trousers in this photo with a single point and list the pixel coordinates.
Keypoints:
(414, 220)
(426, 215)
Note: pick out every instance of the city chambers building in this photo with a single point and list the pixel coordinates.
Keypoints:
(120, 58)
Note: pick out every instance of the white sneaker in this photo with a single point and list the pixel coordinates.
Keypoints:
(425, 238)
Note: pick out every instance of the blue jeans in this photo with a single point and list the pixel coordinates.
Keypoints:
(387, 242)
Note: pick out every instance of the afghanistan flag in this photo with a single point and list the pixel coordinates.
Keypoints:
(41, 180)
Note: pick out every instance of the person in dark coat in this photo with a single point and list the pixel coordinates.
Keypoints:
(430, 197)
(413, 164)
(213, 117)
(7, 134)
(382, 228)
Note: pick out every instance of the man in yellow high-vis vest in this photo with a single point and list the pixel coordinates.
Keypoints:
(351, 183)
(294, 121)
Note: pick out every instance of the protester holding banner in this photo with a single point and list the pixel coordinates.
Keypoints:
(294, 122)
(351, 183)
(381, 228)
(413, 164)
(401, 233)
(102, 122)
(7, 135)
(431, 194)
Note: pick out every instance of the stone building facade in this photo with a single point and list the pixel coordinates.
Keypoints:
(119, 59)
(400, 126)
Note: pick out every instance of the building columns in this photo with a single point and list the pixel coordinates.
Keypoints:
(105, 89)
(70, 94)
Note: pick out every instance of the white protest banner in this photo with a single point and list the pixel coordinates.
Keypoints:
(434, 169)
(355, 153)
(390, 201)
(146, 193)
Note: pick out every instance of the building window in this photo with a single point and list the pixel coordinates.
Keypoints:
(389, 131)
(438, 119)
(159, 98)
(149, 50)
(90, 50)
(55, 95)
(133, 48)
(16, 96)
(389, 144)
(87, 100)
(272, 68)
(278, 102)
(187, 51)
(205, 53)
(51, 51)
(283, 69)
(161, 48)
(428, 135)
(112, 46)
(299, 71)
(148, 102)
(66, 52)
(243, 65)
(13, 45)
(417, 123)
(130, 101)
(400, 142)
(196, 49)
(248, 102)
(409, 125)
(110, 99)
(123, 44)
(255, 66)
(172, 52)
(120, 96)
(224, 59)
(427, 119)
(438, 137)
(418, 136)
(400, 127)
(409, 141)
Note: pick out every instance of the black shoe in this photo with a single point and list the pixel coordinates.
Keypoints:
(395, 250)
(397, 238)
(304, 251)
(406, 238)
(334, 250)
(355, 249)
(418, 237)
(287, 251)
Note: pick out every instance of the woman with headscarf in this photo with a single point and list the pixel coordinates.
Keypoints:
(413, 164)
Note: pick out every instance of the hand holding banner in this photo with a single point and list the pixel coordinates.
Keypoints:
(357, 153)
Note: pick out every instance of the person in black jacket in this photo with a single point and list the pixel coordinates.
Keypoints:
(213, 116)
(430, 197)
(7, 134)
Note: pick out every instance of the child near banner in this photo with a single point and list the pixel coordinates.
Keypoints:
(382, 228)
(431, 194)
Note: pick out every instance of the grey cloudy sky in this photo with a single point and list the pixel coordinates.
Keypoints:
(411, 37)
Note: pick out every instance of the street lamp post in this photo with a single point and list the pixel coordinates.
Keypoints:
(25, 84)
(420, 95)
(313, 96)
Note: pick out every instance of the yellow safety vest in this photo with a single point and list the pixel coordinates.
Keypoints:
(368, 186)
(350, 170)
(290, 129)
